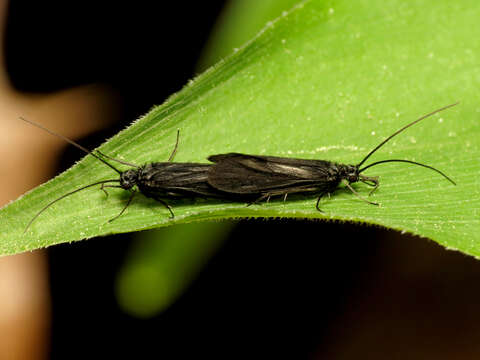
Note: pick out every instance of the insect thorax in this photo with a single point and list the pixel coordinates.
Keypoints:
(347, 172)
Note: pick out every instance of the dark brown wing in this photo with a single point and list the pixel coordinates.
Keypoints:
(253, 174)
(166, 179)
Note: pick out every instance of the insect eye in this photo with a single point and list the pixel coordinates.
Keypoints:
(353, 178)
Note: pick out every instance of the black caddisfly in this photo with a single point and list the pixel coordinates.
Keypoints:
(157, 180)
(258, 177)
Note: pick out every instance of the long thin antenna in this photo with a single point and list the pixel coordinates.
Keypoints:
(410, 162)
(70, 142)
(62, 197)
(172, 155)
(119, 161)
(404, 128)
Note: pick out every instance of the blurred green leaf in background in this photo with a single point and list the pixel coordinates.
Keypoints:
(162, 263)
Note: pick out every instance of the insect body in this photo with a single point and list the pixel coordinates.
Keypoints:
(157, 180)
(168, 180)
(260, 177)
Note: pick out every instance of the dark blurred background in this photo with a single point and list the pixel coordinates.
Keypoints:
(276, 288)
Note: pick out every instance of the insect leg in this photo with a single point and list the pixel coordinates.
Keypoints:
(345, 182)
(103, 189)
(370, 181)
(374, 188)
(318, 200)
(125, 208)
(262, 197)
(109, 186)
(172, 155)
(166, 205)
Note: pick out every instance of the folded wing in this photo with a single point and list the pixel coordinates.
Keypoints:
(253, 174)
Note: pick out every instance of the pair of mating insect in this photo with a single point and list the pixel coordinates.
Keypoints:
(236, 176)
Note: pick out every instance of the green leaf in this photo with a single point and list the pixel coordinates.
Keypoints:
(240, 21)
(328, 80)
(161, 265)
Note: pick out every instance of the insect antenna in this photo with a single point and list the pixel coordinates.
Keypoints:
(119, 161)
(399, 131)
(172, 155)
(78, 146)
(63, 197)
(410, 162)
